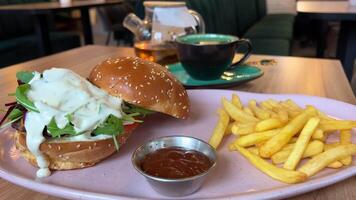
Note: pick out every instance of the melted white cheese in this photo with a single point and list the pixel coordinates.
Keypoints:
(57, 94)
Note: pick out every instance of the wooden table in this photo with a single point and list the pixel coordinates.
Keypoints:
(324, 11)
(319, 77)
(40, 10)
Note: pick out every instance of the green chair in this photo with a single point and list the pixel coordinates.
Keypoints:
(18, 42)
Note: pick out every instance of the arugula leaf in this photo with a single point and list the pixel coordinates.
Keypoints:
(25, 76)
(136, 109)
(15, 113)
(53, 129)
(23, 99)
(111, 126)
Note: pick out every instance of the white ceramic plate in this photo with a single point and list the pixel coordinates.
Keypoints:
(233, 178)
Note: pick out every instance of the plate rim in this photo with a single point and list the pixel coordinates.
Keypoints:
(282, 192)
(234, 83)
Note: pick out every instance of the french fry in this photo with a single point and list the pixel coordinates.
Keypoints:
(236, 101)
(293, 105)
(345, 138)
(260, 113)
(228, 130)
(248, 111)
(331, 145)
(219, 129)
(255, 138)
(301, 144)
(284, 175)
(314, 147)
(335, 164)
(282, 114)
(268, 124)
(318, 135)
(322, 160)
(292, 128)
(273, 103)
(243, 129)
(291, 112)
(237, 114)
(266, 105)
(253, 150)
(333, 125)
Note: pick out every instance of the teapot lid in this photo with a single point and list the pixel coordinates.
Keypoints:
(164, 3)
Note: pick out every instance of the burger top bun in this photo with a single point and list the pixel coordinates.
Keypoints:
(142, 83)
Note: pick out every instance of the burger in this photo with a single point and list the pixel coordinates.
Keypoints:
(64, 121)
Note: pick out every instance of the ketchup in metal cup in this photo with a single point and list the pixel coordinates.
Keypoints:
(175, 163)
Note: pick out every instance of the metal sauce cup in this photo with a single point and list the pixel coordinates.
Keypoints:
(174, 187)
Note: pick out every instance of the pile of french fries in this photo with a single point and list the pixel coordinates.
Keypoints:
(275, 136)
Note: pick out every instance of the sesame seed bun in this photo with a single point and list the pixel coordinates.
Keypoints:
(72, 155)
(142, 83)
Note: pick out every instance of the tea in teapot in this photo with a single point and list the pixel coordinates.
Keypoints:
(163, 23)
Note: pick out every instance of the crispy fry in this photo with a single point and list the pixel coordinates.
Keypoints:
(273, 103)
(266, 105)
(220, 128)
(243, 129)
(293, 105)
(335, 165)
(237, 114)
(282, 114)
(284, 175)
(322, 160)
(253, 150)
(255, 138)
(314, 147)
(228, 130)
(260, 113)
(248, 111)
(268, 124)
(331, 145)
(333, 125)
(318, 135)
(236, 101)
(345, 138)
(292, 128)
(301, 144)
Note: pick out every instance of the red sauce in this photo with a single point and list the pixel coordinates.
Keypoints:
(175, 162)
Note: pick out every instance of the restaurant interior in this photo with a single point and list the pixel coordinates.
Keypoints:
(304, 50)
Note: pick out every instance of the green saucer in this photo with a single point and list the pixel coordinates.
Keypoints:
(236, 76)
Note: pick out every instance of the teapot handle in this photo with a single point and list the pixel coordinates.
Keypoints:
(199, 19)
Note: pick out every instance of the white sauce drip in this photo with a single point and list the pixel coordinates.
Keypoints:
(61, 92)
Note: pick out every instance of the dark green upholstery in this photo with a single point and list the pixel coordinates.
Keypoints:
(272, 26)
(18, 41)
(217, 14)
(271, 46)
(24, 48)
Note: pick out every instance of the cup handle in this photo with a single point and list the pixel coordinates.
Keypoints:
(199, 19)
(245, 57)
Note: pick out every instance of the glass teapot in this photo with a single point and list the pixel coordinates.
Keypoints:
(164, 22)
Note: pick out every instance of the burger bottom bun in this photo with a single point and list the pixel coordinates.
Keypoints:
(72, 155)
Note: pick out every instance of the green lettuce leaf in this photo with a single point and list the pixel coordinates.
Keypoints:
(15, 113)
(129, 109)
(53, 129)
(22, 99)
(111, 126)
(25, 76)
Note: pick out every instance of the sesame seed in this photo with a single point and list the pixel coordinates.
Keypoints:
(78, 146)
